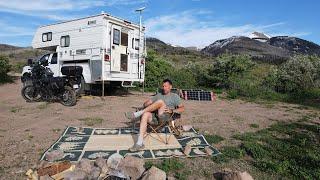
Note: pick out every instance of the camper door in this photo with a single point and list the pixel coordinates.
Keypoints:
(119, 48)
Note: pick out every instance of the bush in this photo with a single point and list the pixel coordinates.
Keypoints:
(4, 69)
(299, 74)
(158, 69)
(226, 67)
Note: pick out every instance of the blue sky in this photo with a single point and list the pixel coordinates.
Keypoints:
(179, 22)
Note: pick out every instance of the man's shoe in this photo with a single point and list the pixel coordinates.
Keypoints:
(136, 147)
(130, 115)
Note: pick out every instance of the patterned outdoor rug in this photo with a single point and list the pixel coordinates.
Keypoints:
(91, 143)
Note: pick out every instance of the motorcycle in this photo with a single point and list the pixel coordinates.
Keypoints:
(41, 85)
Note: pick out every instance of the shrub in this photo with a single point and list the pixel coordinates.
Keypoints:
(300, 73)
(226, 67)
(4, 69)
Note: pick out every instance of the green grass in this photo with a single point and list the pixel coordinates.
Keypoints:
(91, 121)
(172, 165)
(286, 149)
(30, 136)
(213, 139)
(43, 105)
(56, 130)
(15, 109)
(254, 125)
(229, 153)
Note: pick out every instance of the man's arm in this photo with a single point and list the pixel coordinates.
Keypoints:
(179, 110)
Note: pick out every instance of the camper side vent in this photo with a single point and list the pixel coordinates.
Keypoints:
(81, 51)
(92, 22)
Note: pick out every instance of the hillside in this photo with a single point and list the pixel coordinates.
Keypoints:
(295, 45)
(6, 47)
(275, 50)
(178, 56)
(244, 45)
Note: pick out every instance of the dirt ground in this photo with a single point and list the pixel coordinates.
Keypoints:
(28, 129)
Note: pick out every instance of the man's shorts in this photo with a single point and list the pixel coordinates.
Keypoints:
(156, 118)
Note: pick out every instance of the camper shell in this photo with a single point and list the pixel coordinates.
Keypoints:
(109, 49)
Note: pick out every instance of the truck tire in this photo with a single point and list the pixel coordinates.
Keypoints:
(80, 90)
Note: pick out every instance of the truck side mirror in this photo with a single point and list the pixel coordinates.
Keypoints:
(29, 62)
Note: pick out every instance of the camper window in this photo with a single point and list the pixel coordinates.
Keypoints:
(124, 62)
(65, 41)
(124, 39)
(116, 36)
(46, 36)
(136, 44)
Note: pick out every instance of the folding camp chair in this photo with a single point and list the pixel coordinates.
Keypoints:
(166, 127)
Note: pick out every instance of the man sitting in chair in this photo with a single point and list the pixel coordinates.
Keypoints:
(159, 107)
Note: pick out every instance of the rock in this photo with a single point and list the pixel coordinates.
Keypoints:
(228, 174)
(187, 150)
(104, 171)
(46, 177)
(154, 173)
(77, 174)
(171, 178)
(114, 161)
(246, 176)
(95, 173)
(85, 165)
(132, 166)
(100, 162)
(54, 155)
(208, 150)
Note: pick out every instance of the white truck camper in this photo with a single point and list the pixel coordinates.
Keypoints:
(110, 50)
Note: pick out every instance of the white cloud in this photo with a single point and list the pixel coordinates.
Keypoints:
(188, 29)
(55, 10)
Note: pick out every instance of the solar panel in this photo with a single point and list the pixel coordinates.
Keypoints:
(192, 94)
(198, 95)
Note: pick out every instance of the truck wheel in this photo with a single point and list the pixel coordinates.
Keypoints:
(80, 90)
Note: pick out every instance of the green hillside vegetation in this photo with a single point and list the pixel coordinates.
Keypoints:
(296, 80)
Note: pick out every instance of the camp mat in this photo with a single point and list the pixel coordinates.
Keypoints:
(92, 143)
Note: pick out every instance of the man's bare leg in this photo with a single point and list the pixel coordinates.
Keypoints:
(146, 117)
(159, 104)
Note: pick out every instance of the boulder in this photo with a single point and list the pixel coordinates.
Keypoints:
(85, 165)
(95, 173)
(54, 155)
(77, 174)
(100, 162)
(154, 173)
(228, 174)
(132, 166)
(114, 161)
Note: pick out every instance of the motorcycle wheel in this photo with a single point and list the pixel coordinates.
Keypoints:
(30, 94)
(69, 97)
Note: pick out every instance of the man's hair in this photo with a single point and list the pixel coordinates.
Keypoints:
(167, 81)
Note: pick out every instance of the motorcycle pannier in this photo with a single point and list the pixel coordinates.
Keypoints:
(71, 70)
